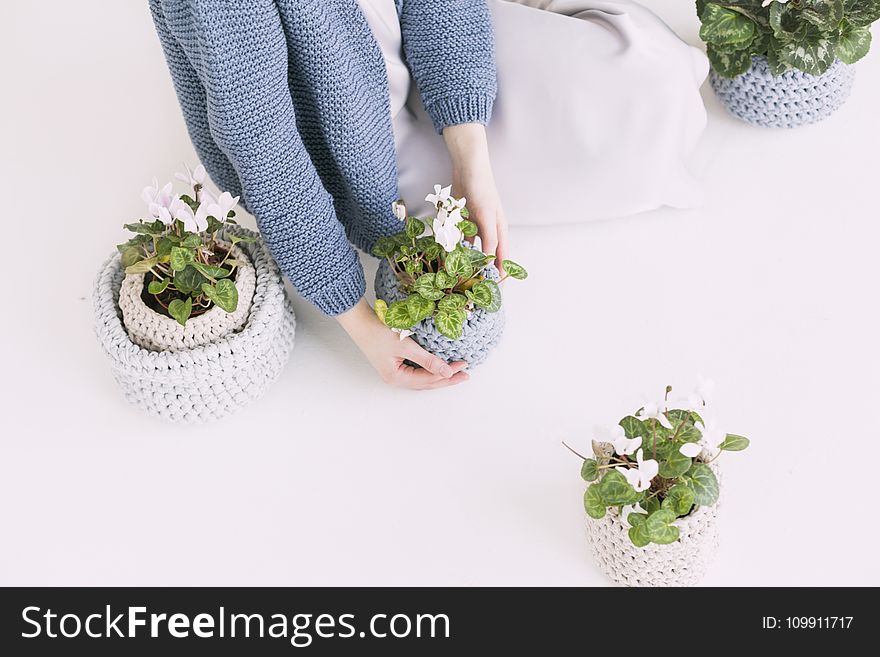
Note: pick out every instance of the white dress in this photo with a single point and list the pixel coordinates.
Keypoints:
(598, 109)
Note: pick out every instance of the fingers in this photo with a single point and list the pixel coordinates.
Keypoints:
(420, 379)
(501, 253)
(433, 364)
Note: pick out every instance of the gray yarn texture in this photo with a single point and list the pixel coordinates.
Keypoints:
(207, 382)
(481, 332)
(793, 99)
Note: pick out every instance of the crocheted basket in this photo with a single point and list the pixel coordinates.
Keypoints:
(206, 382)
(682, 563)
(480, 334)
(152, 330)
(793, 99)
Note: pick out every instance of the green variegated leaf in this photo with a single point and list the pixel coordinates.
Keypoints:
(814, 55)
(674, 463)
(384, 247)
(444, 281)
(146, 228)
(452, 302)
(659, 529)
(854, 43)
(633, 427)
(514, 270)
(426, 285)
(414, 227)
(638, 534)
(734, 443)
(861, 13)
(130, 256)
(380, 308)
(180, 310)
(824, 14)
(651, 504)
(189, 281)
(158, 287)
(191, 241)
(636, 519)
(616, 490)
(590, 470)
(480, 294)
(679, 499)
(593, 503)
(181, 257)
(223, 293)
(142, 266)
(420, 308)
(723, 27)
(467, 228)
(458, 264)
(702, 481)
(450, 322)
(729, 65)
(210, 271)
(494, 289)
(398, 316)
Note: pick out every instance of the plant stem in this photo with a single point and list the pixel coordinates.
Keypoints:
(568, 447)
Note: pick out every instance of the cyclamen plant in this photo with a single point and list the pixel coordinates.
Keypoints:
(442, 277)
(654, 467)
(188, 269)
(807, 35)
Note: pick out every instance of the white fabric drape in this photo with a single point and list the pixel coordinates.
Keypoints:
(598, 109)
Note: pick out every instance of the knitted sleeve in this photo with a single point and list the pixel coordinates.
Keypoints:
(238, 53)
(191, 96)
(450, 48)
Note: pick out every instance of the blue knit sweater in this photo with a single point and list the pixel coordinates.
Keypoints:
(286, 102)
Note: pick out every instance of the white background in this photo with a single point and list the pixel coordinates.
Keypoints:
(770, 289)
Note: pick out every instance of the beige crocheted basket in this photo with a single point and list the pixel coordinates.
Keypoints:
(207, 382)
(682, 563)
(152, 330)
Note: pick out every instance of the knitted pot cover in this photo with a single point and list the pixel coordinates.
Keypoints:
(682, 563)
(793, 99)
(153, 330)
(481, 332)
(210, 381)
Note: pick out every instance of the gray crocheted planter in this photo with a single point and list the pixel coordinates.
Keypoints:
(481, 332)
(210, 381)
(793, 99)
(682, 563)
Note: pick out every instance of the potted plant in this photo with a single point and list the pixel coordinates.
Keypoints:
(192, 310)
(653, 493)
(785, 63)
(437, 288)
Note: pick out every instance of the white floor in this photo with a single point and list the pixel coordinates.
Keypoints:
(770, 289)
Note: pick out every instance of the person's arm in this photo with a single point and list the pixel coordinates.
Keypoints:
(450, 48)
(231, 63)
(239, 53)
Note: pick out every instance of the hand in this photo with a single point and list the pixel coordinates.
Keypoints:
(472, 178)
(387, 352)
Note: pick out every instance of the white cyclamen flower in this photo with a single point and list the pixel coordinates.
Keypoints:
(440, 196)
(623, 446)
(691, 450)
(640, 477)
(219, 208)
(399, 210)
(159, 200)
(701, 397)
(192, 177)
(712, 437)
(654, 411)
(446, 231)
(193, 222)
(403, 333)
(458, 203)
(767, 3)
(631, 508)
